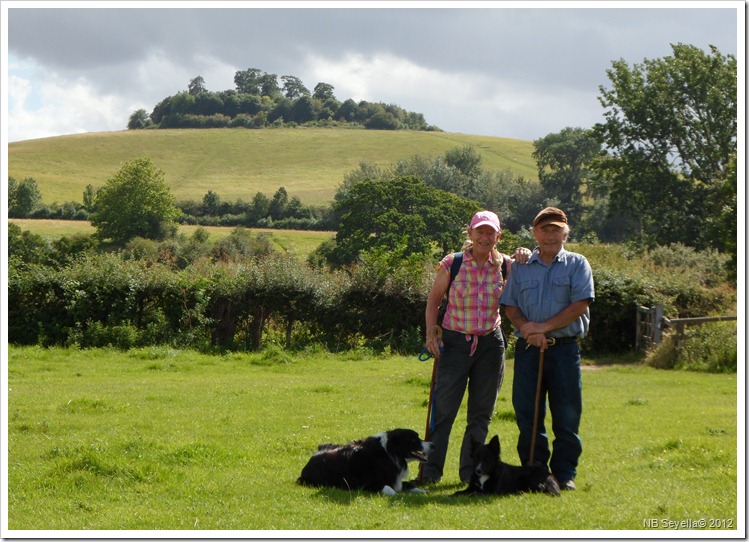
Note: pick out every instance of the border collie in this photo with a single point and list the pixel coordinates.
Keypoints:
(491, 476)
(378, 463)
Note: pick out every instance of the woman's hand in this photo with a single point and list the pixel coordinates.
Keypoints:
(434, 341)
(521, 255)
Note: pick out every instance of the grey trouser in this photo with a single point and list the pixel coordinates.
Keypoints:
(482, 373)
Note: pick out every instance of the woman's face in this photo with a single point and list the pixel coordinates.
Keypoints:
(484, 238)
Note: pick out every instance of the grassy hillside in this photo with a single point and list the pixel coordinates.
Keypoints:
(238, 163)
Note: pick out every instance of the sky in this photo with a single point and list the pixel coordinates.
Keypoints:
(518, 70)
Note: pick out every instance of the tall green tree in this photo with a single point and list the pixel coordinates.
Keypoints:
(399, 212)
(23, 198)
(670, 130)
(196, 86)
(139, 120)
(564, 161)
(277, 206)
(89, 198)
(324, 92)
(248, 81)
(303, 110)
(269, 85)
(293, 87)
(135, 202)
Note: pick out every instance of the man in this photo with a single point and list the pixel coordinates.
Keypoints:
(547, 301)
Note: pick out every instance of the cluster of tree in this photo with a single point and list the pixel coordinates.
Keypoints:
(258, 101)
(279, 211)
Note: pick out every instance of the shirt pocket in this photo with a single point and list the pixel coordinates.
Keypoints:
(529, 292)
(495, 293)
(561, 289)
(459, 292)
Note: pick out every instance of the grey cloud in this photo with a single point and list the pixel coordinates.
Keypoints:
(552, 51)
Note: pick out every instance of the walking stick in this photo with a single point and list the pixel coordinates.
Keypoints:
(428, 429)
(538, 398)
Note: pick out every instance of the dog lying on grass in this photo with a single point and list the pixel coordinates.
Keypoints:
(491, 476)
(378, 463)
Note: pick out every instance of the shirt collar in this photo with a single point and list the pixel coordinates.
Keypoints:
(468, 256)
(536, 256)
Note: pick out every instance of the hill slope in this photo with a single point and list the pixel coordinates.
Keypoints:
(237, 163)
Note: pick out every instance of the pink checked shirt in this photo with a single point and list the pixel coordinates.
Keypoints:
(473, 300)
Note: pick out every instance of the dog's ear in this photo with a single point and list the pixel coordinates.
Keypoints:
(494, 444)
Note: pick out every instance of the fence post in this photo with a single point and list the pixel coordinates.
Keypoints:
(649, 327)
(657, 321)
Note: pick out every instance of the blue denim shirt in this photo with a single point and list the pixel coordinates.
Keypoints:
(540, 291)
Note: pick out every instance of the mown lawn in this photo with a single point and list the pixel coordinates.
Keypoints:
(166, 439)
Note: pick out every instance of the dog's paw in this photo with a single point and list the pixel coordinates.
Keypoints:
(468, 492)
(550, 486)
(387, 490)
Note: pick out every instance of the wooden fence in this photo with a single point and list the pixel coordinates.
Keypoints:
(651, 323)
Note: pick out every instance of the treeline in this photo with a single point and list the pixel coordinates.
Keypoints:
(276, 212)
(258, 100)
(279, 211)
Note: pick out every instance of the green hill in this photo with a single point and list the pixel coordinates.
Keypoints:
(237, 163)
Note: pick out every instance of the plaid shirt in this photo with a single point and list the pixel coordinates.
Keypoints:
(473, 300)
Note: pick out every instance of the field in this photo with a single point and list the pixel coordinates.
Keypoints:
(237, 163)
(174, 440)
(302, 243)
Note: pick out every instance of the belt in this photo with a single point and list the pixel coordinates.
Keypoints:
(473, 338)
(554, 341)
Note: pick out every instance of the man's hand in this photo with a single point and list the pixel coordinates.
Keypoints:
(539, 340)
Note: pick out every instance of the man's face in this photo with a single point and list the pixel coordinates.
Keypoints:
(549, 237)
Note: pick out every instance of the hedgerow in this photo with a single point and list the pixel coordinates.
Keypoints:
(237, 299)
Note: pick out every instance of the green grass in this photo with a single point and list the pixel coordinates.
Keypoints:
(302, 243)
(237, 163)
(164, 439)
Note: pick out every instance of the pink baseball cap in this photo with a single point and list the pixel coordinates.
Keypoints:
(485, 218)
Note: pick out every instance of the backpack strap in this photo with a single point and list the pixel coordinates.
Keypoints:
(506, 262)
(455, 267)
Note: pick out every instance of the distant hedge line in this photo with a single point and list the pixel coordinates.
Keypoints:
(106, 299)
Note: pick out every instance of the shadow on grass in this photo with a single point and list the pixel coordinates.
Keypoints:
(443, 494)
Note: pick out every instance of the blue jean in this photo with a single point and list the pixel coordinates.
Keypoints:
(482, 375)
(562, 384)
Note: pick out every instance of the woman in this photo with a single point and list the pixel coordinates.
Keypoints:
(473, 347)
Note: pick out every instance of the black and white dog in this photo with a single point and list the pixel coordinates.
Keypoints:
(491, 476)
(378, 463)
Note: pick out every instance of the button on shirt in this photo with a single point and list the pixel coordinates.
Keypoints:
(473, 301)
(540, 291)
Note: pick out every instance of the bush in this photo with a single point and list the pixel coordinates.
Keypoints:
(239, 294)
(613, 314)
(710, 347)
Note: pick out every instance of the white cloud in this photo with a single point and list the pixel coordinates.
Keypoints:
(69, 107)
(489, 105)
